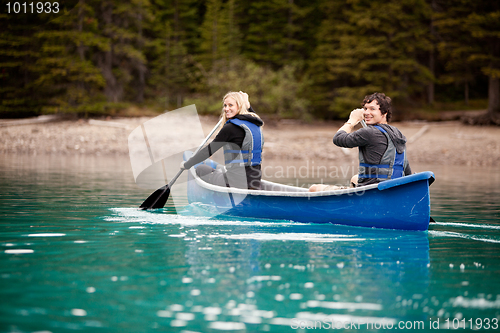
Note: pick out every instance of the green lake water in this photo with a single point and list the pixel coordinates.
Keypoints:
(76, 255)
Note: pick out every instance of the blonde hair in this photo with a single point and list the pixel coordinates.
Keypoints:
(238, 97)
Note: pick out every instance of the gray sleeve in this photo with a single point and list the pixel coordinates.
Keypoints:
(371, 142)
(407, 169)
(357, 138)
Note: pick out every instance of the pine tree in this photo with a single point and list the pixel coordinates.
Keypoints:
(123, 56)
(173, 38)
(220, 38)
(470, 43)
(269, 32)
(19, 51)
(65, 69)
(367, 46)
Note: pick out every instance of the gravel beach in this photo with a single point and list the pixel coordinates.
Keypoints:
(448, 142)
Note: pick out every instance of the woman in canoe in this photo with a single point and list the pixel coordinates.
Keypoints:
(382, 147)
(242, 140)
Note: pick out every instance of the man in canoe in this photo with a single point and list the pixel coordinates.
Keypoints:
(382, 147)
(242, 139)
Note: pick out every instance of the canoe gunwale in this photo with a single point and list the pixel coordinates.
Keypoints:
(302, 192)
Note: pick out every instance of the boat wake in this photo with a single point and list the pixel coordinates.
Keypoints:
(487, 239)
(482, 232)
(309, 237)
(268, 230)
(184, 217)
(469, 225)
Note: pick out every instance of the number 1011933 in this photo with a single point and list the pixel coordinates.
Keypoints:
(32, 7)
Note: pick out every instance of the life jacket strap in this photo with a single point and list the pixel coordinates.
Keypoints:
(383, 171)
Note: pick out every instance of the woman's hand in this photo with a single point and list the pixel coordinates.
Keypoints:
(245, 98)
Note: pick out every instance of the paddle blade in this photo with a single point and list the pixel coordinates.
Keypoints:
(157, 199)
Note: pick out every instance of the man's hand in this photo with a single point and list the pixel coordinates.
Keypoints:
(356, 116)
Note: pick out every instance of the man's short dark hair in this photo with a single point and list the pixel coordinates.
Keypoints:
(383, 101)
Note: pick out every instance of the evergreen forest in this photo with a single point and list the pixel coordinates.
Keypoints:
(300, 59)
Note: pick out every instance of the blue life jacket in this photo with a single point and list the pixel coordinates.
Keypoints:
(251, 149)
(392, 164)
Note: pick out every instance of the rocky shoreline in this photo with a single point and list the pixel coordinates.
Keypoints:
(448, 142)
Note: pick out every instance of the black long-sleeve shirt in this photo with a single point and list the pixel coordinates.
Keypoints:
(230, 133)
(372, 144)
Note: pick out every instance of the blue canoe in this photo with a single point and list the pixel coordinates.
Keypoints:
(402, 203)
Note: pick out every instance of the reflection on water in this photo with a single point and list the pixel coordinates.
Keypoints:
(265, 274)
(76, 254)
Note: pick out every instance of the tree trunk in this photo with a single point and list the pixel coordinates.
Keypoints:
(179, 100)
(430, 87)
(290, 24)
(466, 93)
(81, 52)
(494, 97)
(80, 48)
(492, 117)
(494, 82)
(167, 67)
(113, 90)
(141, 68)
(214, 38)
(432, 60)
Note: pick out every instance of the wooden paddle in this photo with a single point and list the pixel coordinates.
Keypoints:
(158, 198)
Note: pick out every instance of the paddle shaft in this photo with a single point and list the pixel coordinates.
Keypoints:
(208, 137)
(161, 195)
(197, 150)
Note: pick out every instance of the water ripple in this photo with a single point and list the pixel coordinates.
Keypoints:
(310, 237)
(469, 225)
(487, 239)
